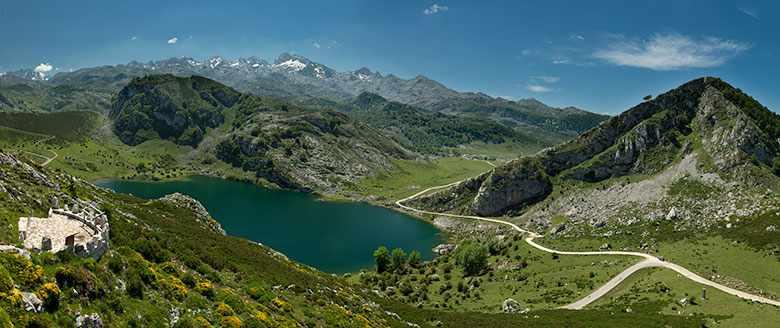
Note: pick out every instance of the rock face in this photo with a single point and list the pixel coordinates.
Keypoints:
(731, 127)
(520, 182)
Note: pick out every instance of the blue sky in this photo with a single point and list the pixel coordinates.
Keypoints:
(602, 57)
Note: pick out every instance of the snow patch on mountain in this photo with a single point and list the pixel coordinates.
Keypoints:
(214, 62)
(292, 65)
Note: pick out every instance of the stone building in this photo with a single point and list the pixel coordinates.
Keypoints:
(84, 232)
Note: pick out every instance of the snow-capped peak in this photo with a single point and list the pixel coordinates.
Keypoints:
(291, 64)
(215, 61)
(193, 62)
(319, 72)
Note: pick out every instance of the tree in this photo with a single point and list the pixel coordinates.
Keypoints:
(415, 259)
(648, 97)
(471, 257)
(382, 258)
(397, 259)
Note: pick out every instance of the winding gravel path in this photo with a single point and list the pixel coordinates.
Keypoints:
(648, 262)
(47, 160)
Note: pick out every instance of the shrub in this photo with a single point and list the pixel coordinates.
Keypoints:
(5, 320)
(80, 279)
(49, 293)
(174, 288)
(224, 309)
(6, 282)
(197, 322)
(382, 259)
(206, 288)
(471, 257)
(397, 259)
(415, 259)
(135, 286)
(231, 322)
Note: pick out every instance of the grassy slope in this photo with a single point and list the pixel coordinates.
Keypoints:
(411, 176)
(665, 289)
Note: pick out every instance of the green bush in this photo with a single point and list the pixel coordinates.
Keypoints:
(472, 257)
(382, 259)
(5, 320)
(415, 259)
(6, 282)
(397, 259)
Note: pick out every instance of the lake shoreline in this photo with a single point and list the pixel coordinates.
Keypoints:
(300, 225)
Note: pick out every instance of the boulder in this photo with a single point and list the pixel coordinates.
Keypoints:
(31, 302)
(672, 214)
(510, 306)
(89, 321)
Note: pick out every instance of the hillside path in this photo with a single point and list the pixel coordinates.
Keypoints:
(648, 261)
(47, 160)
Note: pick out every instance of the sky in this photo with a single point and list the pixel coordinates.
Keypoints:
(603, 56)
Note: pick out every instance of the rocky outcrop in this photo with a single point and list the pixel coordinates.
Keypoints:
(201, 214)
(89, 321)
(643, 140)
(167, 107)
(520, 182)
(728, 134)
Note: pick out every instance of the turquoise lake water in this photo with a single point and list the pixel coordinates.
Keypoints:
(334, 237)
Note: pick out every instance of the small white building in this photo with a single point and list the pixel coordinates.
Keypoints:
(85, 233)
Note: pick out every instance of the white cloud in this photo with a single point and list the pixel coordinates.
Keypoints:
(546, 79)
(537, 88)
(749, 11)
(435, 9)
(671, 52)
(316, 45)
(43, 68)
(561, 61)
(578, 37)
(173, 40)
(133, 38)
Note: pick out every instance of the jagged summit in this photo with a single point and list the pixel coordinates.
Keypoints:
(706, 116)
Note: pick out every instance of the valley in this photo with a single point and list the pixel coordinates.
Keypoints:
(685, 182)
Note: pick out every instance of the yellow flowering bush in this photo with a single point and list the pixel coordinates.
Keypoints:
(231, 322)
(174, 288)
(224, 309)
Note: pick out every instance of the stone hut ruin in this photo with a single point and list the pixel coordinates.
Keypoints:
(82, 231)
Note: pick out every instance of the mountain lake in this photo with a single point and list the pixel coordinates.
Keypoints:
(334, 237)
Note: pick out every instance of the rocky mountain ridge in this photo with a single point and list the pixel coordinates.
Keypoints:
(698, 117)
(296, 78)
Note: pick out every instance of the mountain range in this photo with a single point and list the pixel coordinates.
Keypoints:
(290, 77)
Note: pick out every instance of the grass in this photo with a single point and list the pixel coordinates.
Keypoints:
(502, 152)
(722, 260)
(664, 289)
(538, 280)
(411, 176)
(62, 125)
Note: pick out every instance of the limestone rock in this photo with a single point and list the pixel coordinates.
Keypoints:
(510, 306)
(31, 302)
(89, 321)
